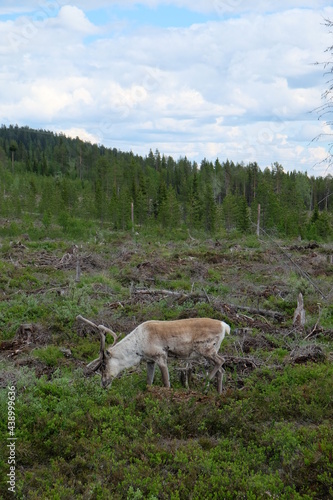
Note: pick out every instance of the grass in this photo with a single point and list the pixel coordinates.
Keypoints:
(274, 438)
(269, 435)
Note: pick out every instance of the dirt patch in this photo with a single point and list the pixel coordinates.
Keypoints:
(164, 393)
(303, 354)
(27, 337)
(40, 368)
(7, 378)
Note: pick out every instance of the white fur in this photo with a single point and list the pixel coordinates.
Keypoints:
(153, 341)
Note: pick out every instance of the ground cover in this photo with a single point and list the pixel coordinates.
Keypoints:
(269, 435)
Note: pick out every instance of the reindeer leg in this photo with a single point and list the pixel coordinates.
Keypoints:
(150, 372)
(219, 376)
(218, 362)
(216, 370)
(163, 366)
(185, 375)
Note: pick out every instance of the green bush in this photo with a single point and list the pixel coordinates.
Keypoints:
(49, 355)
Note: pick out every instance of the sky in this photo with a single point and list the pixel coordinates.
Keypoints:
(227, 79)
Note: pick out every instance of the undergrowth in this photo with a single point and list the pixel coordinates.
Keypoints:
(270, 433)
(75, 440)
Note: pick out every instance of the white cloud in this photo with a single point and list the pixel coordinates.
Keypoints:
(239, 87)
(74, 19)
(81, 133)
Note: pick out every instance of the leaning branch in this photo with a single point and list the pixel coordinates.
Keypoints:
(301, 271)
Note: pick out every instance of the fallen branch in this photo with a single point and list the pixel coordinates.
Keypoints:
(151, 291)
(316, 328)
(241, 361)
(262, 312)
(196, 295)
(180, 296)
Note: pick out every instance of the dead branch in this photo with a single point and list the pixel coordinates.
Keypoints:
(115, 305)
(242, 361)
(262, 312)
(151, 291)
(206, 295)
(300, 270)
(299, 314)
(180, 296)
(196, 295)
(316, 329)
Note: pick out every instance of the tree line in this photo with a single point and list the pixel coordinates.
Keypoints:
(60, 179)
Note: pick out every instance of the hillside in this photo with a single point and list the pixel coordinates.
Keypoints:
(65, 181)
(268, 435)
(68, 247)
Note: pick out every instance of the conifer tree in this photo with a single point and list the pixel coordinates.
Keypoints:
(195, 205)
(209, 210)
(169, 213)
(243, 220)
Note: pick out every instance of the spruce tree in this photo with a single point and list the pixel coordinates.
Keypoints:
(209, 210)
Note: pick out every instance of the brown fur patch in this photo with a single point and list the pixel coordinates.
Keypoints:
(184, 337)
(194, 328)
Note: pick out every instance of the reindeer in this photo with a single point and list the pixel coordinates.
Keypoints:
(153, 341)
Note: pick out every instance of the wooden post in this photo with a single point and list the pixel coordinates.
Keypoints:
(78, 271)
(299, 314)
(258, 220)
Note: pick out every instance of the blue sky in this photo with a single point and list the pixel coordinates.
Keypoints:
(136, 15)
(164, 16)
(221, 78)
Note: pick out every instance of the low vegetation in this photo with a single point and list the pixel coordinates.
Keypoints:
(269, 435)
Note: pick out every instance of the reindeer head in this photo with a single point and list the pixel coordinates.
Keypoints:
(103, 363)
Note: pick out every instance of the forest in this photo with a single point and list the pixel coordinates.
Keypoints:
(66, 181)
(69, 247)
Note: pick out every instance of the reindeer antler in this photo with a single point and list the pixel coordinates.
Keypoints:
(95, 365)
(90, 323)
(101, 328)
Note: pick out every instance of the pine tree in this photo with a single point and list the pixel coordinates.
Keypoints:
(209, 210)
(13, 148)
(229, 210)
(169, 213)
(195, 205)
(243, 220)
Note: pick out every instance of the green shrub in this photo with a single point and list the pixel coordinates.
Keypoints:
(49, 355)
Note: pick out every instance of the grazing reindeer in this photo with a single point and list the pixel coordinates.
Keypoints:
(154, 341)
